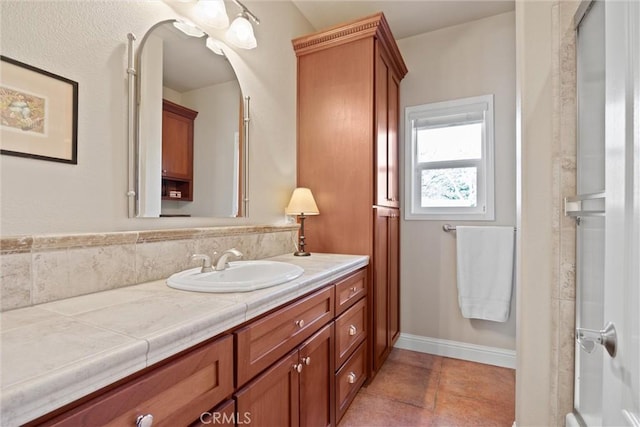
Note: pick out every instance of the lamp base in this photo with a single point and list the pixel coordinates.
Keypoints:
(301, 253)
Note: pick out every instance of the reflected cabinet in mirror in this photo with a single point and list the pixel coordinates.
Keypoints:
(188, 126)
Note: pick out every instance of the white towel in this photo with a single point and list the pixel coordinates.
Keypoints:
(485, 271)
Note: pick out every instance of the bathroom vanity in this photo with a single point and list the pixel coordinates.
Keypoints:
(292, 354)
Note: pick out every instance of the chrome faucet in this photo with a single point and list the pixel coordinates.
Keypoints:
(222, 262)
(206, 262)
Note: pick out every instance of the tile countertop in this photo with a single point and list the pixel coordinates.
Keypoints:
(55, 353)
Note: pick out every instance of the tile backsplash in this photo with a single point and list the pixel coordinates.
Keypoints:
(43, 268)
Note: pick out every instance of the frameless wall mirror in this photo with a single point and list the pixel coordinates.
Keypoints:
(188, 126)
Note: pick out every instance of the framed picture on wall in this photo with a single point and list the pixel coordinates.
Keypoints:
(38, 112)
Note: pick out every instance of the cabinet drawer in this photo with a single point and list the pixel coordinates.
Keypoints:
(175, 394)
(266, 340)
(350, 331)
(349, 379)
(350, 290)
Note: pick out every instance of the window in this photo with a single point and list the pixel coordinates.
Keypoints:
(449, 153)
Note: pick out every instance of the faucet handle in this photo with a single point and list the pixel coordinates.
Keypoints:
(206, 262)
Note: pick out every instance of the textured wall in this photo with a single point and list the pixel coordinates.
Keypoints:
(86, 41)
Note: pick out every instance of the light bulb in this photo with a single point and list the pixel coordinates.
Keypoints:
(214, 12)
(240, 33)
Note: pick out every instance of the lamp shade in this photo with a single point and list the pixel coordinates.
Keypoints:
(214, 12)
(240, 33)
(302, 202)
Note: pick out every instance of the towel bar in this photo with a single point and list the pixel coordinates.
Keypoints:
(449, 228)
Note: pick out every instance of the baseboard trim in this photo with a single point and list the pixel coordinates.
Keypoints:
(458, 350)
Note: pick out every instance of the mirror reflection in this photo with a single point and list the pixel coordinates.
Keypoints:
(190, 125)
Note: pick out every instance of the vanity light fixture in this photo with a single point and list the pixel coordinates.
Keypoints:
(214, 12)
(302, 204)
(240, 33)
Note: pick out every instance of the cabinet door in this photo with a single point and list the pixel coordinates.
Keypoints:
(394, 276)
(387, 189)
(177, 146)
(381, 286)
(386, 312)
(316, 379)
(264, 341)
(272, 398)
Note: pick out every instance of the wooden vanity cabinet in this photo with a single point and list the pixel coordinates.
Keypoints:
(296, 390)
(177, 150)
(348, 89)
(265, 340)
(175, 393)
(299, 388)
(285, 363)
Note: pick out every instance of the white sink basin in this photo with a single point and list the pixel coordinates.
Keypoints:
(239, 276)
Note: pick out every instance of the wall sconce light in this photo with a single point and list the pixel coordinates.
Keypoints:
(302, 204)
(240, 33)
(214, 12)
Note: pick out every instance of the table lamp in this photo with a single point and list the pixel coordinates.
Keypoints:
(302, 204)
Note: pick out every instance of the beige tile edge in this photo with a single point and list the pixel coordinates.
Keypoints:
(18, 244)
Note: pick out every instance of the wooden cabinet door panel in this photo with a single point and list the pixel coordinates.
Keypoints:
(175, 394)
(351, 330)
(266, 340)
(381, 287)
(317, 379)
(393, 162)
(394, 277)
(350, 290)
(349, 379)
(386, 162)
(272, 398)
(177, 140)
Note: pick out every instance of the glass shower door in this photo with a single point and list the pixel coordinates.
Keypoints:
(590, 230)
(607, 383)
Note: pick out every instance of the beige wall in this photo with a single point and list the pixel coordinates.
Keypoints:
(535, 211)
(466, 60)
(86, 42)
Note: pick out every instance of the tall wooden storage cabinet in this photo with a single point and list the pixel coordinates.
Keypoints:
(348, 81)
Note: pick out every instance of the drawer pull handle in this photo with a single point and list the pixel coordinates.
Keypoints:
(354, 290)
(297, 367)
(144, 420)
(351, 378)
(307, 360)
(300, 323)
(353, 330)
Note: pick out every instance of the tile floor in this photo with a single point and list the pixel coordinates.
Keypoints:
(417, 389)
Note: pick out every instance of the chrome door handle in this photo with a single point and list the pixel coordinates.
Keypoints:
(607, 337)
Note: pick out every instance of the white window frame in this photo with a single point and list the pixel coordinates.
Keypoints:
(445, 112)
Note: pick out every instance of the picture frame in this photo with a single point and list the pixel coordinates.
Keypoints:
(38, 113)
